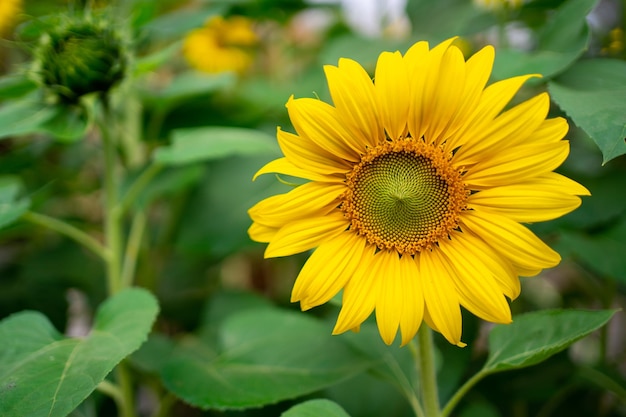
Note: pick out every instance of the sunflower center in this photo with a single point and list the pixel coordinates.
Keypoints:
(404, 195)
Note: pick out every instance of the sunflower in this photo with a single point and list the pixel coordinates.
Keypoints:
(221, 45)
(417, 187)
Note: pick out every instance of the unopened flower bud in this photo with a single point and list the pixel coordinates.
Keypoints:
(81, 58)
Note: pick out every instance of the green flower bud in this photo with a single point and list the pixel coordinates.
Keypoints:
(79, 59)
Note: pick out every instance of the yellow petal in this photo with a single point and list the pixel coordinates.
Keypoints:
(284, 166)
(390, 300)
(440, 296)
(353, 94)
(359, 295)
(261, 233)
(302, 235)
(527, 202)
(474, 279)
(391, 81)
(510, 239)
(492, 100)
(319, 123)
(516, 164)
(413, 298)
(513, 127)
(443, 93)
(423, 68)
(555, 181)
(551, 130)
(307, 155)
(477, 72)
(502, 270)
(328, 270)
(313, 199)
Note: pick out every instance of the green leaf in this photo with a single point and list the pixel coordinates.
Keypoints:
(170, 182)
(191, 84)
(534, 337)
(439, 19)
(43, 373)
(200, 233)
(12, 204)
(16, 85)
(391, 363)
(155, 60)
(592, 93)
(562, 40)
(176, 24)
(70, 123)
(316, 408)
(263, 356)
(24, 116)
(207, 143)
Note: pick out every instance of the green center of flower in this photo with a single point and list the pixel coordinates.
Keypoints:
(404, 195)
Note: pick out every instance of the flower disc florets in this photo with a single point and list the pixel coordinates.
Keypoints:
(81, 58)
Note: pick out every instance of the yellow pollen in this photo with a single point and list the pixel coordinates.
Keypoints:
(404, 195)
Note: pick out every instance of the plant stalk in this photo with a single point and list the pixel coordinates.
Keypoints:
(68, 230)
(428, 374)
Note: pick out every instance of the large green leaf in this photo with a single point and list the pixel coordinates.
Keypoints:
(15, 85)
(593, 93)
(263, 356)
(534, 337)
(316, 408)
(12, 204)
(207, 143)
(43, 373)
(24, 116)
(561, 41)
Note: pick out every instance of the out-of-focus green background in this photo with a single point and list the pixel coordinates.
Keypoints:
(195, 255)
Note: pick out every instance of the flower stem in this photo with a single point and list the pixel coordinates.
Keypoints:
(113, 233)
(428, 374)
(460, 393)
(132, 248)
(140, 183)
(115, 242)
(113, 391)
(68, 230)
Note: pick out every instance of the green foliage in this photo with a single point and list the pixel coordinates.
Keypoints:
(261, 357)
(151, 188)
(314, 408)
(592, 93)
(560, 42)
(46, 374)
(207, 143)
(25, 116)
(12, 203)
(534, 337)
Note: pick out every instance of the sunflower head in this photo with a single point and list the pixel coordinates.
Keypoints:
(419, 185)
(81, 57)
(221, 45)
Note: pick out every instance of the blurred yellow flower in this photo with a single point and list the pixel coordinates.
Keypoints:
(9, 10)
(499, 4)
(221, 45)
(418, 185)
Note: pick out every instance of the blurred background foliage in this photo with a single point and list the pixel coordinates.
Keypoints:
(195, 255)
